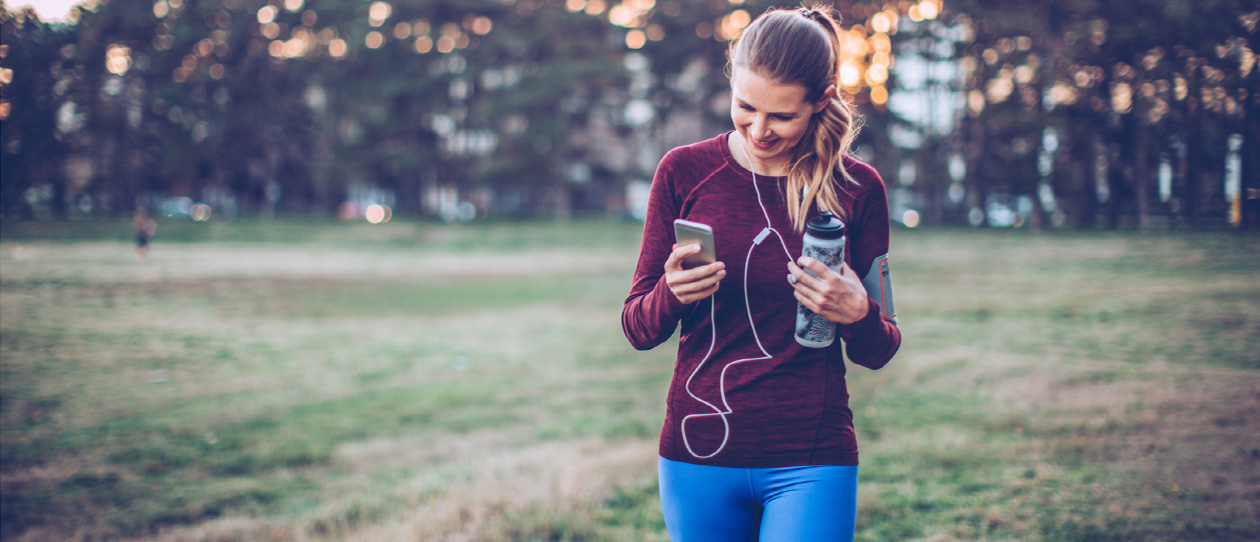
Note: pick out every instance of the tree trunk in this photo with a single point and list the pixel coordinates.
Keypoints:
(1141, 174)
(932, 179)
(1250, 189)
(1084, 179)
(1115, 185)
(1039, 219)
(978, 192)
(1141, 139)
(60, 193)
(1194, 148)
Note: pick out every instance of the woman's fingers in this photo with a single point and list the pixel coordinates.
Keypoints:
(691, 285)
(809, 273)
(695, 284)
(836, 295)
(676, 255)
(812, 299)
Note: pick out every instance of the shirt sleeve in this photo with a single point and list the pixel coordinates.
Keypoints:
(872, 341)
(651, 312)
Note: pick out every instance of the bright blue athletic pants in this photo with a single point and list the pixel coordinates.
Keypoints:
(788, 504)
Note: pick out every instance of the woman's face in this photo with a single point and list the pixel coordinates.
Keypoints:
(770, 116)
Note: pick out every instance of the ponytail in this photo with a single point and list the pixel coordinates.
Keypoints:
(819, 158)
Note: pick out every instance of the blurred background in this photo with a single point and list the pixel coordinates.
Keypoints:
(393, 238)
(1046, 113)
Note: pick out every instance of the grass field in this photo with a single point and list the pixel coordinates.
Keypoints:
(313, 381)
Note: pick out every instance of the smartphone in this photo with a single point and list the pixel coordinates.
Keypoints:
(687, 232)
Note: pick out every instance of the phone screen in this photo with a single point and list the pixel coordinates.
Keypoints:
(687, 232)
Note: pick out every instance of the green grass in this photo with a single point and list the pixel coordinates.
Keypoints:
(326, 232)
(317, 380)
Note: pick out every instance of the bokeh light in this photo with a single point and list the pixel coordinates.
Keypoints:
(621, 15)
(929, 10)
(975, 102)
(402, 31)
(704, 30)
(378, 13)
(880, 22)
(879, 95)
(876, 75)
(479, 25)
(1121, 98)
(850, 76)
(200, 212)
(635, 39)
(732, 26)
(118, 59)
(655, 32)
(337, 48)
(377, 214)
(423, 44)
(910, 218)
(445, 44)
(266, 14)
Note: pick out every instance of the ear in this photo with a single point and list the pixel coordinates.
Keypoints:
(826, 98)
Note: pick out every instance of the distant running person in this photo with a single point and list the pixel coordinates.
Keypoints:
(758, 440)
(145, 227)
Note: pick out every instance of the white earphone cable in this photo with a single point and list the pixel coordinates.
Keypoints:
(720, 413)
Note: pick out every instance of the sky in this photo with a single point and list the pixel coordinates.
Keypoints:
(49, 10)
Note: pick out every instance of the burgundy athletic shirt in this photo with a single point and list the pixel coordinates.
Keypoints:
(793, 408)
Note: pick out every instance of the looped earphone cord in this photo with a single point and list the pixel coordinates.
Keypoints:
(720, 413)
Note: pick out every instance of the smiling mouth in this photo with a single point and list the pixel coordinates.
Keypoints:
(763, 145)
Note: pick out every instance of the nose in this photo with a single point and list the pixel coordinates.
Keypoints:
(758, 129)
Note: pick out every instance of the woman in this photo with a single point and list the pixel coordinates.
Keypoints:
(758, 440)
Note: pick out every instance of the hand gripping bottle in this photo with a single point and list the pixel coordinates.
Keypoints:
(824, 241)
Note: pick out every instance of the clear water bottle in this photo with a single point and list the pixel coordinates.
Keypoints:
(824, 241)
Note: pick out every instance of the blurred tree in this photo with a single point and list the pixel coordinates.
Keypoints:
(31, 66)
(1073, 107)
(1126, 86)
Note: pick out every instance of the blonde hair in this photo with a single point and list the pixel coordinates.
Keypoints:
(802, 47)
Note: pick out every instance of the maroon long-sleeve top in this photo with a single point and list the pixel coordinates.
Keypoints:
(729, 404)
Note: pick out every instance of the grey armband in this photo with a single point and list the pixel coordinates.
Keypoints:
(879, 287)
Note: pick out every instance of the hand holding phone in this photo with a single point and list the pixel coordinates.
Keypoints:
(687, 232)
(690, 284)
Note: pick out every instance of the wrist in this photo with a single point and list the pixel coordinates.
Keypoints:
(864, 325)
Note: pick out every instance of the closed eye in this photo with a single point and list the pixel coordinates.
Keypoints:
(775, 116)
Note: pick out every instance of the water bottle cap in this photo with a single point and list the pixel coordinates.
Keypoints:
(825, 226)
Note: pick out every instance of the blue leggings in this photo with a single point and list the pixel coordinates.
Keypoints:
(720, 504)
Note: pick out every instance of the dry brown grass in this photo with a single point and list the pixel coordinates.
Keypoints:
(479, 493)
